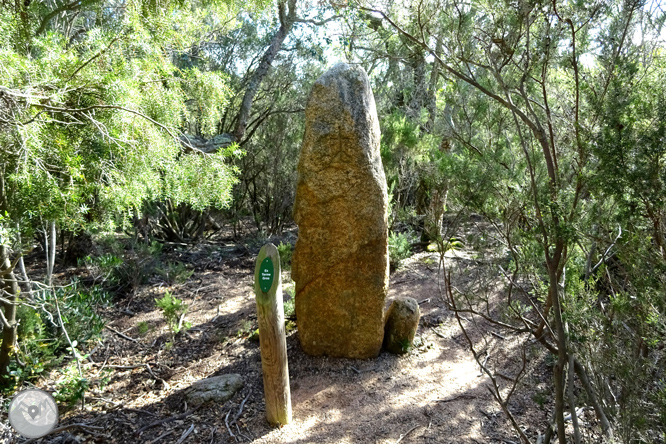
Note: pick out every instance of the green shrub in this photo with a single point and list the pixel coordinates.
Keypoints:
(138, 264)
(399, 248)
(102, 268)
(79, 311)
(286, 251)
(124, 269)
(172, 309)
(143, 327)
(175, 273)
(42, 339)
(71, 387)
(289, 308)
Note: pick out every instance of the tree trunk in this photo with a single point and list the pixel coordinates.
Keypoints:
(435, 213)
(431, 104)
(558, 369)
(419, 98)
(10, 292)
(287, 19)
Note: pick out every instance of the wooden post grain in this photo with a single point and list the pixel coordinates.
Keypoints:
(272, 336)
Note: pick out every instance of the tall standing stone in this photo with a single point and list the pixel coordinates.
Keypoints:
(340, 263)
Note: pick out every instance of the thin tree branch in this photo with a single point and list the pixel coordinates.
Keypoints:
(87, 62)
(317, 22)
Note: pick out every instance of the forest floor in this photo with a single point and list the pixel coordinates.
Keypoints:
(435, 393)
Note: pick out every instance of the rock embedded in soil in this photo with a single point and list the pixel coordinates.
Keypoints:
(402, 320)
(216, 388)
(340, 263)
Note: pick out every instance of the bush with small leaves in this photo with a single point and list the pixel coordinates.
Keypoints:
(399, 248)
(172, 309)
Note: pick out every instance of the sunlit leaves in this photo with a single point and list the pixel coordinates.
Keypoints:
(79, 163)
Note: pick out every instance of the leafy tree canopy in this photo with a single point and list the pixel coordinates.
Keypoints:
(94, 106)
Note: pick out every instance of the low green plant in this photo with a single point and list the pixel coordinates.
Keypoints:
(79, 310)
(254, 336)
(429, 261)
(405, 345)
(143, 327)
(289, 326)
(105, 379)
(172, 309)
(138, 264)
(102, 268)
(399, 248)
(442, 246)
(289, 308)
(245, 329)
(540, 397)
(71, 388)
(286, 251)
(289, 304)
(43, 344)
(128, 265)
(175, 273)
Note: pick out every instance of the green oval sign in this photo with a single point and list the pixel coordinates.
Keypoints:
(266, 274)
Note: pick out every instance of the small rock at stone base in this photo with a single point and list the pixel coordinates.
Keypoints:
(402, 320)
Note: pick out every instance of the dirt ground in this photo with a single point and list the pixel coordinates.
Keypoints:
(434, 394)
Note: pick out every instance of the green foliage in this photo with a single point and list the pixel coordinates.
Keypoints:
(453, 244)
(286, 251)
(79, 311)
(254, 336)
(107, 139)
(172, 309)
(43, 343)
(175, 272)
(130, 264)
(71, 387)
(555, 154)
(399, 248)
(413, 163)
(289, 308)
(245, 329)
(289, 326)
(405, 345)
(143, 327)
(101, 268)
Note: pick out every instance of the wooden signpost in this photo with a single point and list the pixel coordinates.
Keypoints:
(272, 336)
